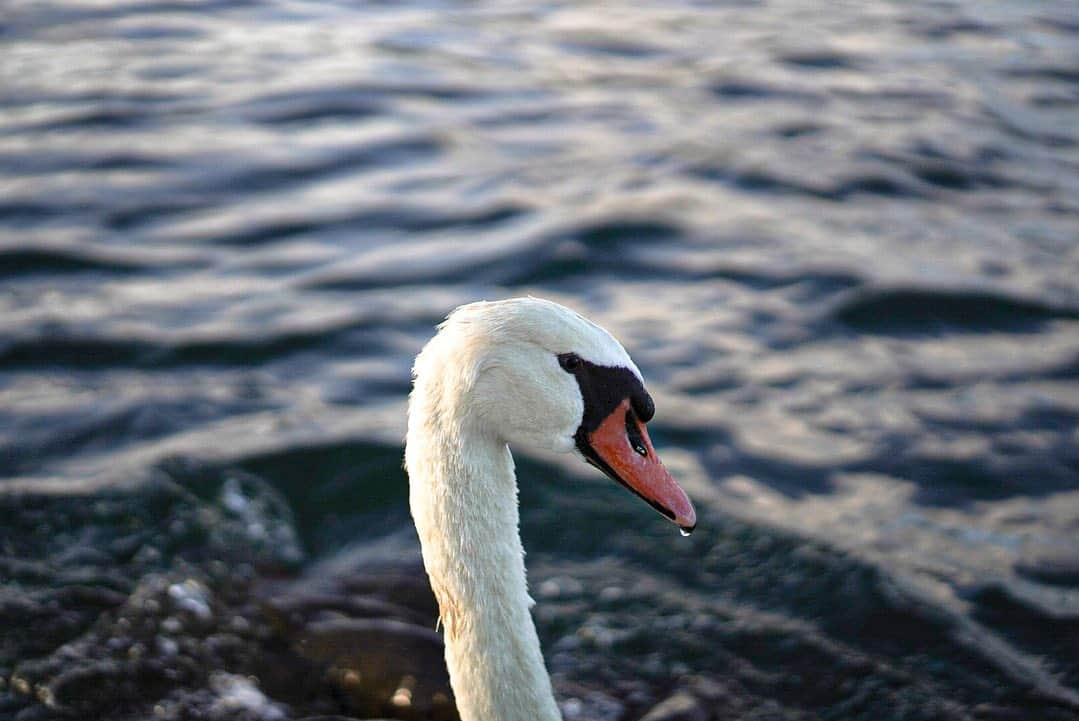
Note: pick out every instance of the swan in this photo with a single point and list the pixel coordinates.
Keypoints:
(527, 372)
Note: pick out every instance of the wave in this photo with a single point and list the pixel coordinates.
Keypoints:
(914, 310)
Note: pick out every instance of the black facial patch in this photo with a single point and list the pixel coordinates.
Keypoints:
(603, 388)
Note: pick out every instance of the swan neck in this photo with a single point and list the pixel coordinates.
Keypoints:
(463, 494)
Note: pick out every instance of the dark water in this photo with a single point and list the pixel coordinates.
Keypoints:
(838, 238)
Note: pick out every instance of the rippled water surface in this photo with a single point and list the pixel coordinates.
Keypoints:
(839, 239)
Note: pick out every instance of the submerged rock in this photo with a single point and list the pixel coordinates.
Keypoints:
(680, 706)
(370, 630)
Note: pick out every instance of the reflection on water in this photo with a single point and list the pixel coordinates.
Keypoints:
(838, 240)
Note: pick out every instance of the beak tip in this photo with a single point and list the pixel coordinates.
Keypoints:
(687, 519)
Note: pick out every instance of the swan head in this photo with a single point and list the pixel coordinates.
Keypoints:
(532, 372)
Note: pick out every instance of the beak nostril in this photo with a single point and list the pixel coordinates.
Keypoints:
(633, 434)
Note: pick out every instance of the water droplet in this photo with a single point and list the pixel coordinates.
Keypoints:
(685, 531)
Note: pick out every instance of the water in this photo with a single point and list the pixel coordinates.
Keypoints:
(839, 240)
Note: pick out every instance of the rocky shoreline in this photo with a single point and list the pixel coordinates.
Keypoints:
(160, 601)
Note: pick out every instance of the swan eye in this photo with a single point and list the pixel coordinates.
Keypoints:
(570, 362)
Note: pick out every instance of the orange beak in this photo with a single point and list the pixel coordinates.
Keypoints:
(620, 447)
